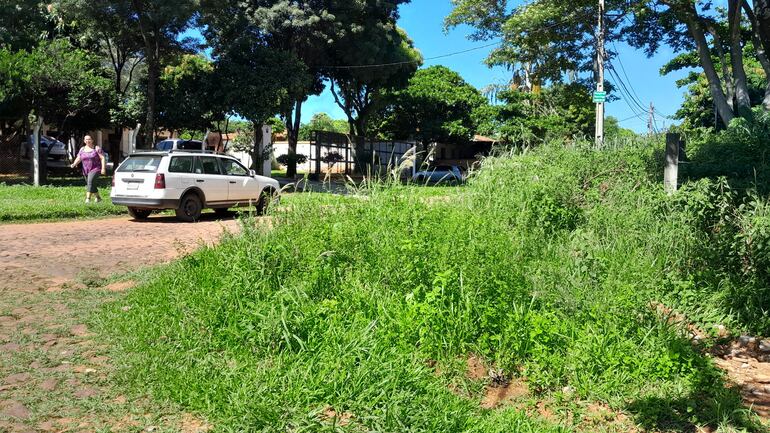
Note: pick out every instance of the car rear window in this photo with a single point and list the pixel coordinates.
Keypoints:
(181, 164)
(147, 163)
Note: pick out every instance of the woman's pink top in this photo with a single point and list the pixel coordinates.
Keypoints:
(90, 159)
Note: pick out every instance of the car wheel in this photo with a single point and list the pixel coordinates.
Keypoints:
(139, 214)
(190, 208)
(265, 198)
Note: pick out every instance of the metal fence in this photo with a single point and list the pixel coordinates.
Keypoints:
(15, 159)
(349, 158)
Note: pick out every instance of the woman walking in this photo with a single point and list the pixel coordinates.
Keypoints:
(94, 163)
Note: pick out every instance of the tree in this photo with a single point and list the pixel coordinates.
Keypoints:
(187, 97)
(55, 83)
(697, 110)
(322, 122)
(561, 111)
(372, 57)
(293, 34)
(158, 25)
(256, 82)
(549, 38)
(24, 23)
(436, 107)
(109, 28)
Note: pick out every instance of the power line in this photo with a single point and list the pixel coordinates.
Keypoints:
(626, 87)
(410, 62)
(623, 69)
(442, 56)
(626, 97)
(636, 116)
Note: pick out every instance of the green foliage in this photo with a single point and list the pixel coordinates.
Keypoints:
(187, 98)
(739, 152)
(545, 265)
(323, 122)
(295, 158)
(23, 23)
(560, 112)
(257, 81)
(277, 125)
(373, 40)
(438, 106)
(59, 82)
(542, 40)
(697, 110)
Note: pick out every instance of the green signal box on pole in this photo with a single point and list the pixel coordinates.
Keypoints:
(600, 97)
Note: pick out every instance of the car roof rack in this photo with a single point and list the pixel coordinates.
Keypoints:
(191, 151)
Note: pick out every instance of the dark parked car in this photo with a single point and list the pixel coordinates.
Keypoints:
(56, 149)
(178, 143)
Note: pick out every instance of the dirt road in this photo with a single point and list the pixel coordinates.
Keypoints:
(55, 374)
(47, 255)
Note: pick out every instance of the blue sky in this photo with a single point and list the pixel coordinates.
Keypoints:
(423, 21)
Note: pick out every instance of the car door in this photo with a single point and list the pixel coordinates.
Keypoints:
(242, 187)
(210, 180)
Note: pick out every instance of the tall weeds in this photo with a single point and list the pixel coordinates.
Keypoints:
(546, 265)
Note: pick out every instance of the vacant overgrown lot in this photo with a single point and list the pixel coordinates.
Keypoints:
(547, 272)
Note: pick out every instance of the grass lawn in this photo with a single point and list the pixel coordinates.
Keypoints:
(62, 199)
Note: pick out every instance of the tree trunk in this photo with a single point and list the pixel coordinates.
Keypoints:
(256, 154)
(761, 50)
(293, 120)
(727, 76)
(115, 147)
(742, 99)
(362, 160)
(152, 81)
(151, 53)
(715, 86)
(762, 13)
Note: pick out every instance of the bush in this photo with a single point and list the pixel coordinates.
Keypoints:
(286, 159)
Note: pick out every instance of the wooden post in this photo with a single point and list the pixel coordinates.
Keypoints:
(671, 170)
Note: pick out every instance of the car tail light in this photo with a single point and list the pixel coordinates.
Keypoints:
(113, 181)
(160, 181)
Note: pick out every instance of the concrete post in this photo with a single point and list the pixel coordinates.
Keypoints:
(671, 170)
(36, 150)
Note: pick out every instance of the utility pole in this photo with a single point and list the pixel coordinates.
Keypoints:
(600, 83)
(651, 120)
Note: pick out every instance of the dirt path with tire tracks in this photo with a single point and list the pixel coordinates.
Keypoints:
(55, 374)
(47, 255)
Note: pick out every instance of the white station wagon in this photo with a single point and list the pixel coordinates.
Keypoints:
(188, 182)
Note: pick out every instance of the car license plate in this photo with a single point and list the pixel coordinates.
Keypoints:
(133, 186)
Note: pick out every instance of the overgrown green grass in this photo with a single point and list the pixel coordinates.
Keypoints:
(546, 265)
(25, 203)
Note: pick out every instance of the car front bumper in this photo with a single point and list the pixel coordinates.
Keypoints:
(146, 203)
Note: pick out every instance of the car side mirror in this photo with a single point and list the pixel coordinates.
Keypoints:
(252, 173)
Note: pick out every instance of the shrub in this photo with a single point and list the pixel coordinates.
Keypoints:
(286, 159)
